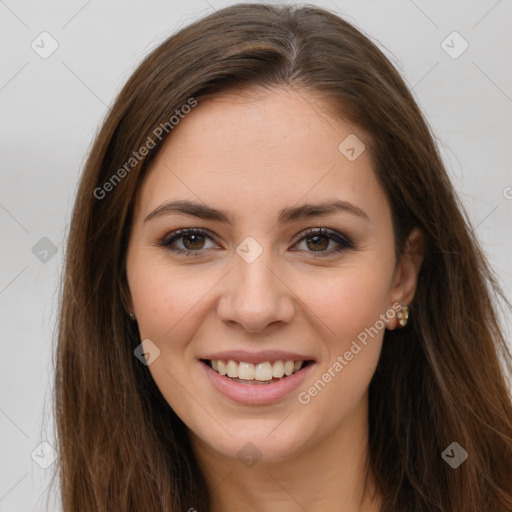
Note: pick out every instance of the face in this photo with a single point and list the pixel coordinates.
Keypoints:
(240, 275)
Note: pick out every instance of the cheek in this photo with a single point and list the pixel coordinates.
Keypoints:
(166, 298)
(351, 299)
(350, 305)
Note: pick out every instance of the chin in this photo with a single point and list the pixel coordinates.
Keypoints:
(265, 440)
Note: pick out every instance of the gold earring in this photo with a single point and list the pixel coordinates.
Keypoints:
(403, 316)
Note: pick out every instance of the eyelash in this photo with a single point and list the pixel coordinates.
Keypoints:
(342, 240)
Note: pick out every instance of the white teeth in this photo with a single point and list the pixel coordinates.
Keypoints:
(246, 371)
(262, 371)
(221, 367)
(278, 371)
(288, 367)
(232, 369)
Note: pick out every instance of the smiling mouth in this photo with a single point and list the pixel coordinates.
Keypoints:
(262, 373)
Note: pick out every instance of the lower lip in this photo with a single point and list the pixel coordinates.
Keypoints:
(256, 394)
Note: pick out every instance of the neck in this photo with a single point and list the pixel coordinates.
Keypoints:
(330, 474)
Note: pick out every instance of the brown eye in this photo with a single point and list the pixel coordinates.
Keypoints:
(193, 242)
(317, 240)
(189, 241)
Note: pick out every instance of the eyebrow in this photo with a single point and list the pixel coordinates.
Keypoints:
(287, 214)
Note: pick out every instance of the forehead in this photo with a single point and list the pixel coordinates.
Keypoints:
(256, 151)
(275, 123)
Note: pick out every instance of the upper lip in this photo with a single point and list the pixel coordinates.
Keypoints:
(257, 357)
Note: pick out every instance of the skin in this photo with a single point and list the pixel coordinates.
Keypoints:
(253, 153)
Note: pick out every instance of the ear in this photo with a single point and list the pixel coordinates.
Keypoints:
(405, 277)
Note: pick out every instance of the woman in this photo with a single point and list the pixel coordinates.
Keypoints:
(272, 297)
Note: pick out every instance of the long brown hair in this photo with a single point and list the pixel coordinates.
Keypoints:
(442, 379)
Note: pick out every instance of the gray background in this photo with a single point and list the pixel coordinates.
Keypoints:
(50, 109)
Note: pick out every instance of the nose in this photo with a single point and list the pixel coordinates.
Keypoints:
(256, 295)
